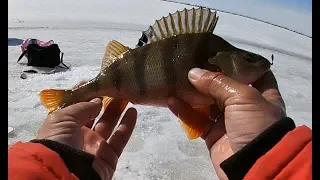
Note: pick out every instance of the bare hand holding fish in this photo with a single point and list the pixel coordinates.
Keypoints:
(248, 111)
(73, 126)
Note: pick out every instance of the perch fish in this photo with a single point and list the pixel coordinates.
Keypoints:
(158, 68)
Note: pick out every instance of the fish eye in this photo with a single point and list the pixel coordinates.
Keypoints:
(249, 58)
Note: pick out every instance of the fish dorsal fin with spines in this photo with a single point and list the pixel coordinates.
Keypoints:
(190, 21)
(114, 50)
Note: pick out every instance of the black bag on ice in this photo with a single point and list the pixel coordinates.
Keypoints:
(42, 56)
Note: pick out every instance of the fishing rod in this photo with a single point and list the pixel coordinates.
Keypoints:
(195, 5)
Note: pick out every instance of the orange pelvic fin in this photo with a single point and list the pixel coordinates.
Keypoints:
(196, 123)
(107, 101)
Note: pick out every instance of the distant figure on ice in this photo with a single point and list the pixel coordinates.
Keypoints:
(142, 40)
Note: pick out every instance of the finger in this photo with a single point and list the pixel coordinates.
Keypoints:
(267, 85)
(109, 119)
(79, 84)
(184, 112)
(123, 133)
(84, 111)
(215, 84)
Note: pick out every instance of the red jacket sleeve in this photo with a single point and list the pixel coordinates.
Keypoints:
(290, 158)
(282, 151)
(36, 161)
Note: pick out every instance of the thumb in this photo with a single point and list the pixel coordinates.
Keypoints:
(215, 84)
(84, 111)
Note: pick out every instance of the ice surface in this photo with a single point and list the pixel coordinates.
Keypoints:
(158, 148)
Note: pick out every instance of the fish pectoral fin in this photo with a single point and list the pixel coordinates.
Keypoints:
(108, 100)
(113, 50)
(200, 20)
(52, 99)
(195, 128)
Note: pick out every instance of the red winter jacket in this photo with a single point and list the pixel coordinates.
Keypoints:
(281, 152)
(36, 161)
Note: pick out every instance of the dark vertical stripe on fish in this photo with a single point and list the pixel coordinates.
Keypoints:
(116, 74)
(168, 58)
(139, 68)
(201, 43)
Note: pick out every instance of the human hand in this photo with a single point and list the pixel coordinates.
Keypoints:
(248, 111)
(71, 126)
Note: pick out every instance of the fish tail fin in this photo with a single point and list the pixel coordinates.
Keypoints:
(107, 101)
(195, 128)
(53, 99)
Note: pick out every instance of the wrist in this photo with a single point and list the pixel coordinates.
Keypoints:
(243, 160)
(241, 136)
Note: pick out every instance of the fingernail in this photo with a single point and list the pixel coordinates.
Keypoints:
(196, 73)
(96, 100)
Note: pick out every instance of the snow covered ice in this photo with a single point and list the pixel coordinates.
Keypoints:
(158, 149)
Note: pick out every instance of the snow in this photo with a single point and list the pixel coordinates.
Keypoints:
(158, 148)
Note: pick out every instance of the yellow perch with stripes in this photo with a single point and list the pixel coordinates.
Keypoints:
(158, 69)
